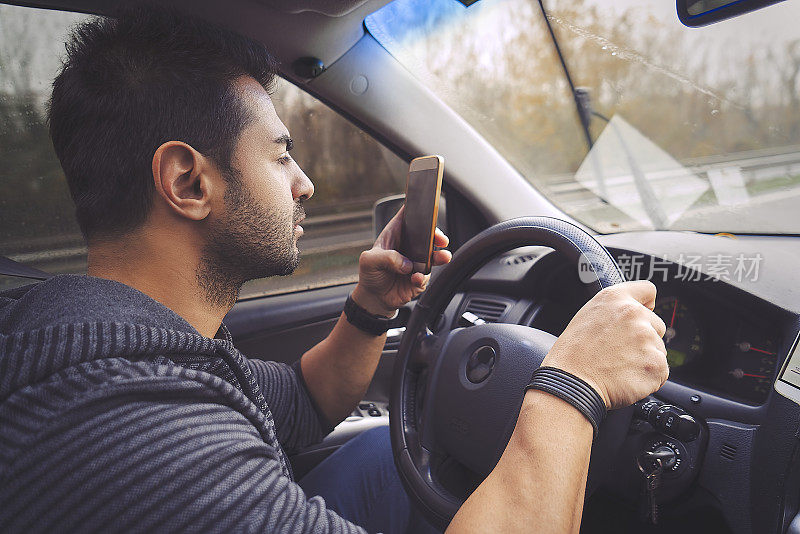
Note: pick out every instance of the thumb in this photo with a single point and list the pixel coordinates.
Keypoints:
(389, 260)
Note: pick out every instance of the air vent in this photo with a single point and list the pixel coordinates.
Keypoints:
(519, 258)
(393, 338)
(524, 255)
(488, 309)
(727, 451)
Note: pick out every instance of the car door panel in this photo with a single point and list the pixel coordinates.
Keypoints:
(283, 327)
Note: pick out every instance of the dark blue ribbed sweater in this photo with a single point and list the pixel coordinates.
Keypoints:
(117, 415)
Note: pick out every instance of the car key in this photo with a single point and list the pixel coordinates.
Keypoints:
(653, 480)
(651, 466)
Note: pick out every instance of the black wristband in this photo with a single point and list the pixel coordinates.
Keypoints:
(573, 390)
(357, 316)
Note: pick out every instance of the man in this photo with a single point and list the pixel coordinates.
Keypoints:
(124, 404)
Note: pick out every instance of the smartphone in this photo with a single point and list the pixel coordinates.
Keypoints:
(423, 188)
(788, 382)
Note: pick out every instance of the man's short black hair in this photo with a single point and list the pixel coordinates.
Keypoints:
(132, 82)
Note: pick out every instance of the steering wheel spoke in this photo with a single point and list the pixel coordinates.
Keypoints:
(424, 358)
(426, 350)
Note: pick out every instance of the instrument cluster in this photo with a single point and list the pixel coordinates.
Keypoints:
(717, 347)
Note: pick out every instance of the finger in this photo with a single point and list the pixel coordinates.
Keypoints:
(643, 291)
(440, 257)
(398, 217)
(658, 324)
(395, 221)
(389, 260)
(440, 239)
(419, 280)
(390, 234)
(661, 357)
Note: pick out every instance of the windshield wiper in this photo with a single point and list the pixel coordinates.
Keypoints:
(583, 106)
(577, 95)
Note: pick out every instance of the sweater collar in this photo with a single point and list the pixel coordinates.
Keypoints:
(69, 299)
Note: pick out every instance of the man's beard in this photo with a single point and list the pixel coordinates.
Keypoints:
(251, 242)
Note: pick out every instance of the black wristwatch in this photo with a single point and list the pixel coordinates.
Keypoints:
(357, 316)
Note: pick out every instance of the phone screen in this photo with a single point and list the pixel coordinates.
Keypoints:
(790, 374)
(422, 203)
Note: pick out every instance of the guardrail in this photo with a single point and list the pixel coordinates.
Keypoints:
(358, 217)
(339, 223)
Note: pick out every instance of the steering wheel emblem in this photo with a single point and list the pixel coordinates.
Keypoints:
(480, 364)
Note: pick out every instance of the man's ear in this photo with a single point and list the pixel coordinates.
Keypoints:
(182, 177)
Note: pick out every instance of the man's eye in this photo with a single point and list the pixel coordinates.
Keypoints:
(285, 158)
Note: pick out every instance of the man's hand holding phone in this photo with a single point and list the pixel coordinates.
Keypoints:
(396, 269)
(386, 280)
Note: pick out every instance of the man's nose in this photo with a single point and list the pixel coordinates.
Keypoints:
(302, 188)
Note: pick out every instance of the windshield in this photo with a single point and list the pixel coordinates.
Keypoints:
(686, 129)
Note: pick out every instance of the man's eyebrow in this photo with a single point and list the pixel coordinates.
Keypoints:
(285, 140)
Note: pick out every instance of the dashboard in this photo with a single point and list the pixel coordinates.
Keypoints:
(726, 341)
(719, 339)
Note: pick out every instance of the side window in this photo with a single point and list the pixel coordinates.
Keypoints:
(349, 169)
(37, 223)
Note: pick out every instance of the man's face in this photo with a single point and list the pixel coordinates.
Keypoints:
(255, 233)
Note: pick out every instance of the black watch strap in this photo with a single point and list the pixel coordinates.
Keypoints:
(357, 316)
(573, 390)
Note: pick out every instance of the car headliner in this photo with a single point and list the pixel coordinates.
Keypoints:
(324, 29)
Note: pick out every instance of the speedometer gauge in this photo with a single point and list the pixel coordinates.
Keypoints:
(682, 339)
(750, 369)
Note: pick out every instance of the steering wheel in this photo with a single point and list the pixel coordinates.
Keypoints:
(456, 394)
